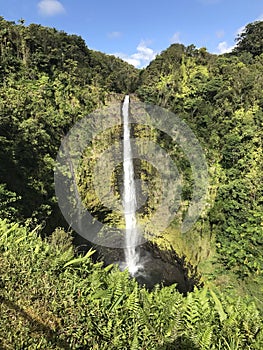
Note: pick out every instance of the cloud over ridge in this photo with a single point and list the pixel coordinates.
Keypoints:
(50, 7)
(141, 58)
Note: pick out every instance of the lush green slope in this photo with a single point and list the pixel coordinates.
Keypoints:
(51, 300)
(220, 98)
(48, 80)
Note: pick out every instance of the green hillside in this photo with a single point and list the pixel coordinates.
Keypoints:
(49, 80)
(220, 98)
(53, 298)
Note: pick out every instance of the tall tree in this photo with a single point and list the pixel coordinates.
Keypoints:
(251, 39)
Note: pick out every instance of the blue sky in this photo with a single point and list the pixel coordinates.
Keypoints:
(139, 29)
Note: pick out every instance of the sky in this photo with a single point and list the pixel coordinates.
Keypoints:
(137, 30)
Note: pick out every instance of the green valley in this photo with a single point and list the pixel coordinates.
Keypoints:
(52, 297)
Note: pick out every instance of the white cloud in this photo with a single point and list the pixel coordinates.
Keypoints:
(220, 34)
(175, 38)
(224, 48)
(135, 62)
(114, 35)
(50, 7)
(141, 58)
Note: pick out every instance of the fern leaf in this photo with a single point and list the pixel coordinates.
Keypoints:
(80, 260)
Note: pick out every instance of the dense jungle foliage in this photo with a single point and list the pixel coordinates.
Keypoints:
(220, 97)
(48, 81)
(52, 299)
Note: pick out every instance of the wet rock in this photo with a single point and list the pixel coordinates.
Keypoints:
(163, 267)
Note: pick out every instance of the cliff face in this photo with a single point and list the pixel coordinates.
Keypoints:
(49, 80)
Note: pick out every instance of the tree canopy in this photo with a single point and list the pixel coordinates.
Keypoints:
(251, 39)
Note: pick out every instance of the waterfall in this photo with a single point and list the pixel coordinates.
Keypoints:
(129, 197)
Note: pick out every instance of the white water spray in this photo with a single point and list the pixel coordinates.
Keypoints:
(129, 197)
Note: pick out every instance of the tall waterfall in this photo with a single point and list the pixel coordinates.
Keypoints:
(129, 196)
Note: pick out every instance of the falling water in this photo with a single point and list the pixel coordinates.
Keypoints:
(129, 197)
